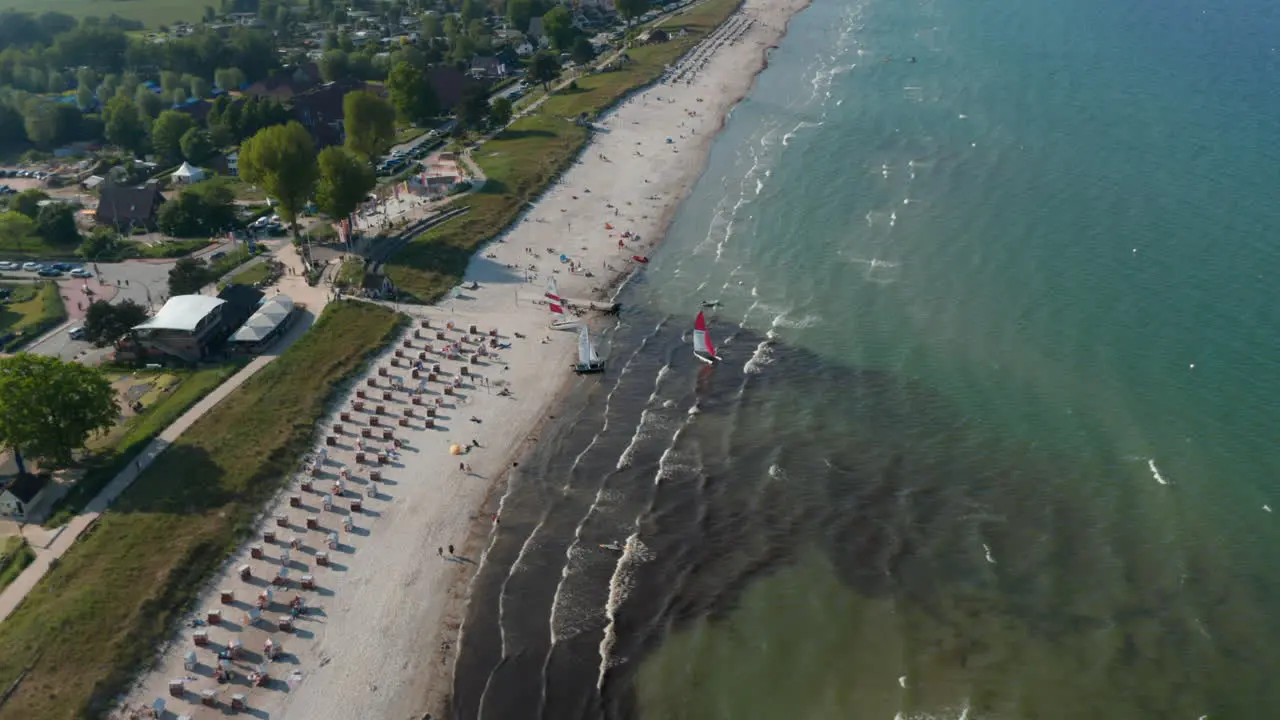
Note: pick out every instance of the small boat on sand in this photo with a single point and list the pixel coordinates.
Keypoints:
(589, 362)
(640, 259)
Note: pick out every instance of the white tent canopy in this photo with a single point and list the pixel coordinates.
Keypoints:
(265, 321)
(188, 173)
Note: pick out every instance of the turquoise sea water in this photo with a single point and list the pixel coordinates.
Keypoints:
(994, 436)
(1062, 220)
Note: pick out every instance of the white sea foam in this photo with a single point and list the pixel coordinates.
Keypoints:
(1155, 472)
(759, 359)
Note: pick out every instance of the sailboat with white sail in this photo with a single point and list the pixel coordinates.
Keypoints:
(556, 304)
(703, 348)
(589, 361)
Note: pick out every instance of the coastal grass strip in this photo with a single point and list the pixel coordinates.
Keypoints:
(138, 430)
(97, 617)
(523, 160)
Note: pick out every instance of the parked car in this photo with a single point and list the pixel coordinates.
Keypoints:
(6, 265)
(218, 255)
(81, 273)
(31, 266)
(76, 333)
(64, 267)
(49, 272)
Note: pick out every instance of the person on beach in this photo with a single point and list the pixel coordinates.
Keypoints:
(451, 550)
(440, 551)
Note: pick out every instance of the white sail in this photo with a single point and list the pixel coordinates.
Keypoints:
(585, 353)
(595, 356)
(700, 342)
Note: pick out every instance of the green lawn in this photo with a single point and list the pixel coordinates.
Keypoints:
(233, 259)
(169, 248)
(151, 12)
(351, 274)
(98, 616)
(34, 310)
(34, 248)
(523, 160)
(251, 275)
(15, 556)
(126, 441)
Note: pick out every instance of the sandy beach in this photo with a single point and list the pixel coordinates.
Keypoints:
(375, 639)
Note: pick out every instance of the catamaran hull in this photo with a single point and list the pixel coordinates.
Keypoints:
(592, 370)
(705, 359)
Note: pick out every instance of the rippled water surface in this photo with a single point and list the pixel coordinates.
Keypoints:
(994, 433)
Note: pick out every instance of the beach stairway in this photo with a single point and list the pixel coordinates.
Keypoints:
(383, 251)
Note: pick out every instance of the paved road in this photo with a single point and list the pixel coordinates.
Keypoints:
(146, 282)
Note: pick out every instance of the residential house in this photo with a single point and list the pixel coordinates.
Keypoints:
(448, 83)
(320, 110)
(129, 207)
(283, 85)
(487, 67)
(536, 34)
(19, 491)
(245, 19)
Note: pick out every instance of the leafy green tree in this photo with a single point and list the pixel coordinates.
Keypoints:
(228, 79)
(544, 68)
(281, 159)
(202, 210)
(167, 132)
(473, 107)
(411, 93)
(105, 323)
(631, 9)
(28, 202)
(149, 104)
(197, 145)
(40, 123)
(369, 122)
(85, 97)
(200, 88)
(170, 81)
(124, 125)
(345, 179)
(558, 25)
(451, 28)
(188, 276)
(519, 13)
(50, 407)
(334, 65)
(431, 26)
(583, 51)
(471, 10)
(101, 244)
(500, 111)
(56, 223)
(17, 230)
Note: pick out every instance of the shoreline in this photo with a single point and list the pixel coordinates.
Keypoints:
(437, 695)
(383, 625)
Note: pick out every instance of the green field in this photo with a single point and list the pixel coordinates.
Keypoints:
(31, 311)
(251, 275)
(126, 440)
(99, 615)
(151, 12)
(523, 160)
